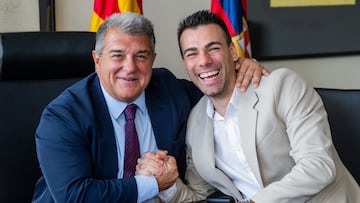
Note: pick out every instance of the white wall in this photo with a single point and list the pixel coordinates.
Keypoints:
(333, 72)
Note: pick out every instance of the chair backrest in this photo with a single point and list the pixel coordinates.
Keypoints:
(34, 68)
(343, 107)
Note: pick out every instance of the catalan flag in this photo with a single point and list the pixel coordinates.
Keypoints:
(105, 8)
(233, 14)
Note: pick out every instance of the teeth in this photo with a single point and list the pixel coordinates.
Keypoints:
(208, 74)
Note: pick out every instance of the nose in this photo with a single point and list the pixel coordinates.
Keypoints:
(204, 58)
(129, 64)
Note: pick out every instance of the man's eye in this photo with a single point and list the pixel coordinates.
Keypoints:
(116, 56)
(212, 49)
(190, 54)
(141, 57)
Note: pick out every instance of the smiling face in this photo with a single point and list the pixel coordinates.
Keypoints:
(209, 60)
(125, 64)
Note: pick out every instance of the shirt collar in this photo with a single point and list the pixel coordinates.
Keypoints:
(233, 103)
(116, 107)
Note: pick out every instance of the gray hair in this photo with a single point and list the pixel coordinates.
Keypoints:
(129, 23)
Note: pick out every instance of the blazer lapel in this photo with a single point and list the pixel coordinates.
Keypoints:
(204, 158)
(158, 112)
(106, 161)
(248, 119)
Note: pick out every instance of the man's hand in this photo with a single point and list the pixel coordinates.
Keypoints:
(158, 164)
(151, 164)
(249, 70)
(170, 174)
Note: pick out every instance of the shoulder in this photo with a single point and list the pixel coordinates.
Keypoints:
(282, 74)
(161, 78)
(75, 108)
(78, 97)
(282, 79)
(162, 71)
(286, 90)
(164, 84)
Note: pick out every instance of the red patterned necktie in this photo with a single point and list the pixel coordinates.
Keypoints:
(132, 148)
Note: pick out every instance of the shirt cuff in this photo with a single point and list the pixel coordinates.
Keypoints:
(147, 187)
(168, 194)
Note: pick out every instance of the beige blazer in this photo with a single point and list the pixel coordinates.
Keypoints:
(287, 141)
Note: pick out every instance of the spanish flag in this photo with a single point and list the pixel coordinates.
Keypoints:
(105, 8)
(233, 15)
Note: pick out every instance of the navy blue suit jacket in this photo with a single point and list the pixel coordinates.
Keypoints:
(76, 145)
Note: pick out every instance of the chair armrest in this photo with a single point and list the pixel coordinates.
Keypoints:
(219, 197)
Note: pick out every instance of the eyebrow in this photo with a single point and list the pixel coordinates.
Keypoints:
(189, 49)
(206, 46)
(144, 52)
(115, 51)
(121, 51)
(213, 43)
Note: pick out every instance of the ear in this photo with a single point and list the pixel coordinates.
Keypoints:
(96, 58)
(233, 52)
(154, 56)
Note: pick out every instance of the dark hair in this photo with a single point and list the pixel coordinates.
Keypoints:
(202, 17)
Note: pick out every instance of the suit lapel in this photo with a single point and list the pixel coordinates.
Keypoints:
(248, 120)
(204, 157)
(158, 112)
(106, 161)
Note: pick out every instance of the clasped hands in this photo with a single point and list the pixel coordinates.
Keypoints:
(158, 164)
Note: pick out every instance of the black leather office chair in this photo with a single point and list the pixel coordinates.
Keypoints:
(34, 68)
(343, 108)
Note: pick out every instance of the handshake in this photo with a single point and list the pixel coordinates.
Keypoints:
(158, 164)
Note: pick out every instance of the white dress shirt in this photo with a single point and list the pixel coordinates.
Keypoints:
(229, 155)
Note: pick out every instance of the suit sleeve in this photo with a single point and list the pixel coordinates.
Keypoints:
(65, 154)
(301, 110)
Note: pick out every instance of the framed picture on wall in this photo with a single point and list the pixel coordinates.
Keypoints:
(292, 29)
(27, 15)
(47, 15)
(19, 15)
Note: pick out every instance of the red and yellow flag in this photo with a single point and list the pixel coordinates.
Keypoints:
(233, 15)
(105, 8)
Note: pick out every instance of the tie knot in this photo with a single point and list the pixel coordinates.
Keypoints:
(130, 111)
